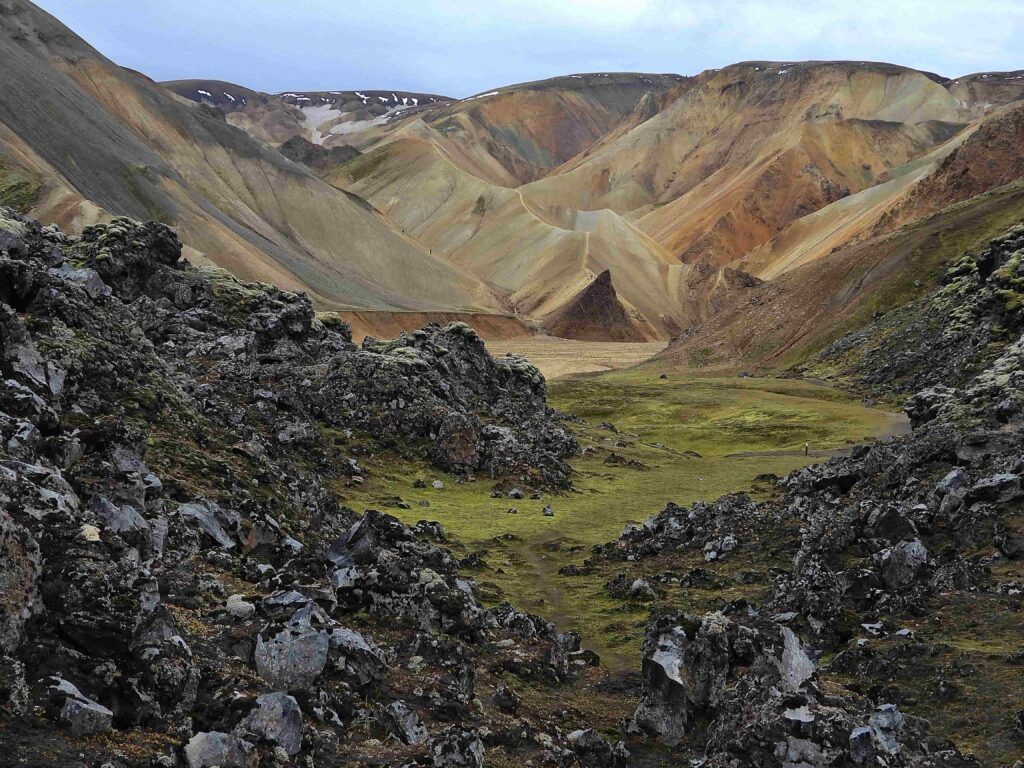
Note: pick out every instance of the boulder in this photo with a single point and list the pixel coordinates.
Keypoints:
(207, 519)
(220, 750)
(506, 699)
(902, 564)
(294, 658)
(457, 748)
(594, 752)
(277, 718)
(687, 661)
(403, 723)
(999, 488)
(356, 657)
(80, 714)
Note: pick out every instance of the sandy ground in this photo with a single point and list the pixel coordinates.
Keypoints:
(560, 357)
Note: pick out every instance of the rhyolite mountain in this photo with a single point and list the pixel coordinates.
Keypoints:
(139, 150)
(514, 200)
(671, 184)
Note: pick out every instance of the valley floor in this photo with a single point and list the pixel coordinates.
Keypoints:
(561, 357)
(678, 439)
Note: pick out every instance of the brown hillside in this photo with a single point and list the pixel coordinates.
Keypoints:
(104, 140)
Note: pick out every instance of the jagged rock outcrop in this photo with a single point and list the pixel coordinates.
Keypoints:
(947, 336)
(317, 157)
(172, 560)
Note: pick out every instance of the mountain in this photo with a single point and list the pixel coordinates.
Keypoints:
(318, 116)
(688, 191)
(748, 149)
(138, 150)
(757, 168)
(507, 136)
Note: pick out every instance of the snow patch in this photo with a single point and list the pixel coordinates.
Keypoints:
(316, 118)
(207, 94)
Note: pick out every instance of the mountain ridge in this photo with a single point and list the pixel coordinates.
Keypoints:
(528, 191)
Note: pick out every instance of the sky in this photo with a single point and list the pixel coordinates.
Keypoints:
(463, 47)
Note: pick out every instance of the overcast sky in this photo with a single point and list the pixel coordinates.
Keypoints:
(462, 47)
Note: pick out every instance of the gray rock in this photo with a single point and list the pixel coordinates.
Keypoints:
(886, 725)
(403, 723)
(457, 749)
(862, 746)
(954, 481)
(79, 713)
(124, 520)
(294, 658)
(903, 563)
(642, 588)
(593, 751)
(687, 661)
(795, 666)
(506, 699)
(277, 718)
(999, 488)
(89, 279)
(20, 576)
(206, 519)
(219, 750)
(13, 687)
(238, 607)
(356, 657)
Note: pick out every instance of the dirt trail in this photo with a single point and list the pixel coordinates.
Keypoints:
(543, 566)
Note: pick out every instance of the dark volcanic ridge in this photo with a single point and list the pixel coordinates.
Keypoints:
(595, 314)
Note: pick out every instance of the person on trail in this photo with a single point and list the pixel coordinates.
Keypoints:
(807, 449)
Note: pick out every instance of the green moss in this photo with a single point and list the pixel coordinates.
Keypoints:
(238, 299)
(17, 190)
(1009, 275)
